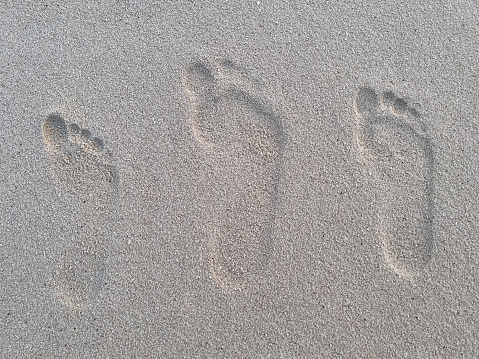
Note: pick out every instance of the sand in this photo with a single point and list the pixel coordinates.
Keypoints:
(239, 180)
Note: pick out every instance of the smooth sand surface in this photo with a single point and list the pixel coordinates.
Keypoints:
(239, 180)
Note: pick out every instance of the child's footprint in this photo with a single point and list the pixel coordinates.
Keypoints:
(392, 140)
(243, 139)
(88, 180)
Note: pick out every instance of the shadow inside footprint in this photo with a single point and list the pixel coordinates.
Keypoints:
(79, 279)
(391, 139)
(244, 142)
(78, 162)
(88, 182)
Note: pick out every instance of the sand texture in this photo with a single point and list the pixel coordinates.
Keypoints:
(239, 179)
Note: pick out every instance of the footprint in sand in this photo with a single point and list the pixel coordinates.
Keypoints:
(393, 142)
(243, 140)
(88, 180)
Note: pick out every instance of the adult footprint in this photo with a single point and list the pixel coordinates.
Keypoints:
(392, 140)
(88, 181)
(243, 140)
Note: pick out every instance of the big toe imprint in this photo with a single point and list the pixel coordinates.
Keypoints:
(243, 140)
(392, 140)
(87, 178)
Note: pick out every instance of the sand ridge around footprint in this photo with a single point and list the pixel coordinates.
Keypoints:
(243, 140)
(393, 143)
(88, 181)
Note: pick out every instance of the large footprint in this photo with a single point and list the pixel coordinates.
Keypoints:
(243, 139)
(88, 180)
(392, 140)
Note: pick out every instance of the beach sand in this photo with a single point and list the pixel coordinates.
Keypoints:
(239, 180)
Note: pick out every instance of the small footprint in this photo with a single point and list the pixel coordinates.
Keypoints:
(88, 179)
(393, 142)
(244, 140)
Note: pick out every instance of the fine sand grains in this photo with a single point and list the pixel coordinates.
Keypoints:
(243, 140)
(392, 140)
(86, 176)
